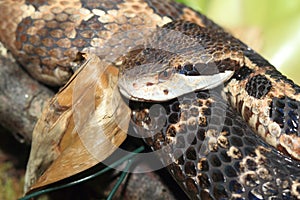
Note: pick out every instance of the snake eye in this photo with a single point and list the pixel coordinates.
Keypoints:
(164, 75)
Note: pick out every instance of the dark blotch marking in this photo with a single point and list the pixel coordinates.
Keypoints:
(242, 73)
(258, 86)
(286, 113)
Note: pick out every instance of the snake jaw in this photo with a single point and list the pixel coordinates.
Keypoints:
(150, 89)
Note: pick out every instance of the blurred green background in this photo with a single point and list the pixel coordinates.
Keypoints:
(271, 27)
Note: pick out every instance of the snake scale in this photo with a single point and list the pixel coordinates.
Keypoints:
(219, 140)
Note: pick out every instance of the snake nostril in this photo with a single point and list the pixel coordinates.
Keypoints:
(134, 85)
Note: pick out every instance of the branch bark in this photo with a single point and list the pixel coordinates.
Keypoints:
(22, 99)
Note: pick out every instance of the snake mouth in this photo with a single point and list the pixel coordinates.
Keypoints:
(150, 89)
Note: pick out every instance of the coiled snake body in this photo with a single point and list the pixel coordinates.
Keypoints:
(215, 153)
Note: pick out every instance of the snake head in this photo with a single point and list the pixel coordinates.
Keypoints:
(179, 58)
(165, 84)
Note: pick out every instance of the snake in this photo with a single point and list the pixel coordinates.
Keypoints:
(226, 119)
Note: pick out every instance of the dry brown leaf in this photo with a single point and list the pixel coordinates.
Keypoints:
(82, 125)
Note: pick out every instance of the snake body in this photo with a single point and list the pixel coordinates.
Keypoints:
(220, 142)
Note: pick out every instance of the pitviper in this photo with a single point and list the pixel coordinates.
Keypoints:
(208, 135)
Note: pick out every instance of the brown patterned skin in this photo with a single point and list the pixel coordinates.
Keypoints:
(252, 90)
(46, 36)
(269, 103)
(212, 152)
(224, 158)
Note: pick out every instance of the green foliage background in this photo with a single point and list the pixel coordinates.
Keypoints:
(276, 24)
